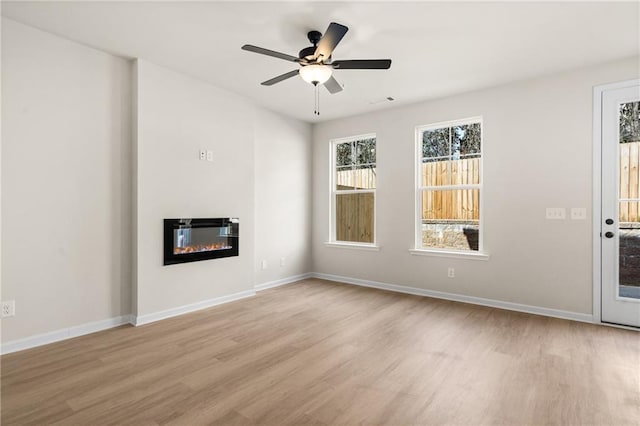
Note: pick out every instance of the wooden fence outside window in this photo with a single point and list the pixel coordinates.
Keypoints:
(437, 205)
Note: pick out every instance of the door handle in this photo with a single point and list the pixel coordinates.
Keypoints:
(609, 234)
(609, 221)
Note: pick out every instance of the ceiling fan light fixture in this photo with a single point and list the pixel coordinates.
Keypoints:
(315, 74)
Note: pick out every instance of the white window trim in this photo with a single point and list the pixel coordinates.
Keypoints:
(332, 197)
(353, 246)
(418, 249)
(459, 254)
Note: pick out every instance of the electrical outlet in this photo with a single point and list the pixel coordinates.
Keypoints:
(556, 213)
(282, 261)
(263, 265)
(209, 155)
(451, 272)
(8, 308)
(203, 155)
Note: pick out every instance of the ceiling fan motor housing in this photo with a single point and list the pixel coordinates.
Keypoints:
(307, 52)
(314, 37)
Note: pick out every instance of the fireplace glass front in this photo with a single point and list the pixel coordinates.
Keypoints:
(190, 240)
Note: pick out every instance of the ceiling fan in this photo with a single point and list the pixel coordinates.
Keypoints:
(316, 65)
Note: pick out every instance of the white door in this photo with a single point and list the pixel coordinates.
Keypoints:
(620, 219)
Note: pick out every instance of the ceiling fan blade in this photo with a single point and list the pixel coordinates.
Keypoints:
(332, 85)
(362, 64)
(279, 78)
(273, 53)
(330, 40)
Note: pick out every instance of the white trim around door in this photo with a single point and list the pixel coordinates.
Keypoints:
(598, 92)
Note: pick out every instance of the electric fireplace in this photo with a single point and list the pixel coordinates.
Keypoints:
(190, 240)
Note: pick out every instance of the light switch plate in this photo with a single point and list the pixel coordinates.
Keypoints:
(556, 213)
(203, 154)
(578, 213)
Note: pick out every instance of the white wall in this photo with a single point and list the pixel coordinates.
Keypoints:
(83, 200)
(65, 182)
(282, 196)
(1, 25)
(260, 174)
(178, 115)
(537, 154)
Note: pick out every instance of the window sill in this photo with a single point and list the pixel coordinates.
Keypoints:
(449, 253)
(353, 246)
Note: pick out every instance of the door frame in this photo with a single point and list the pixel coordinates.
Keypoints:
(597, 192)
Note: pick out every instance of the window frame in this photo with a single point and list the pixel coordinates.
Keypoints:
(333, 192)
(418, 248)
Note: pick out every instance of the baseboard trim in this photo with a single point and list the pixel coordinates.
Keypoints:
(92, 327)
(185, 309)
(282, 281)
(536, 310)
(63, 334)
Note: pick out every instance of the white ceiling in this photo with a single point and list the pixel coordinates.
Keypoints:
(438, 49)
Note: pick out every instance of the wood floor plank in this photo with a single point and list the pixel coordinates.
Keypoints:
(323, 353)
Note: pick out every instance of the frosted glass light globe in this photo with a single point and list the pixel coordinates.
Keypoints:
(315, 74)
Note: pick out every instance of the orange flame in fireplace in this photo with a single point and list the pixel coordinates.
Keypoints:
(200, 247)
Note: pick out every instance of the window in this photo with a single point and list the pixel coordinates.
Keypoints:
(353, 190)
(449, 185)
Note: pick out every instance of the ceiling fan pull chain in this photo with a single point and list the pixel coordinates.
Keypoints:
(316, 99)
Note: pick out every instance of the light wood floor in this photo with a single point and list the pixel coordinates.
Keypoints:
(323, 353)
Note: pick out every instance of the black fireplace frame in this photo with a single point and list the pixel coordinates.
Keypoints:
(172, 224)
